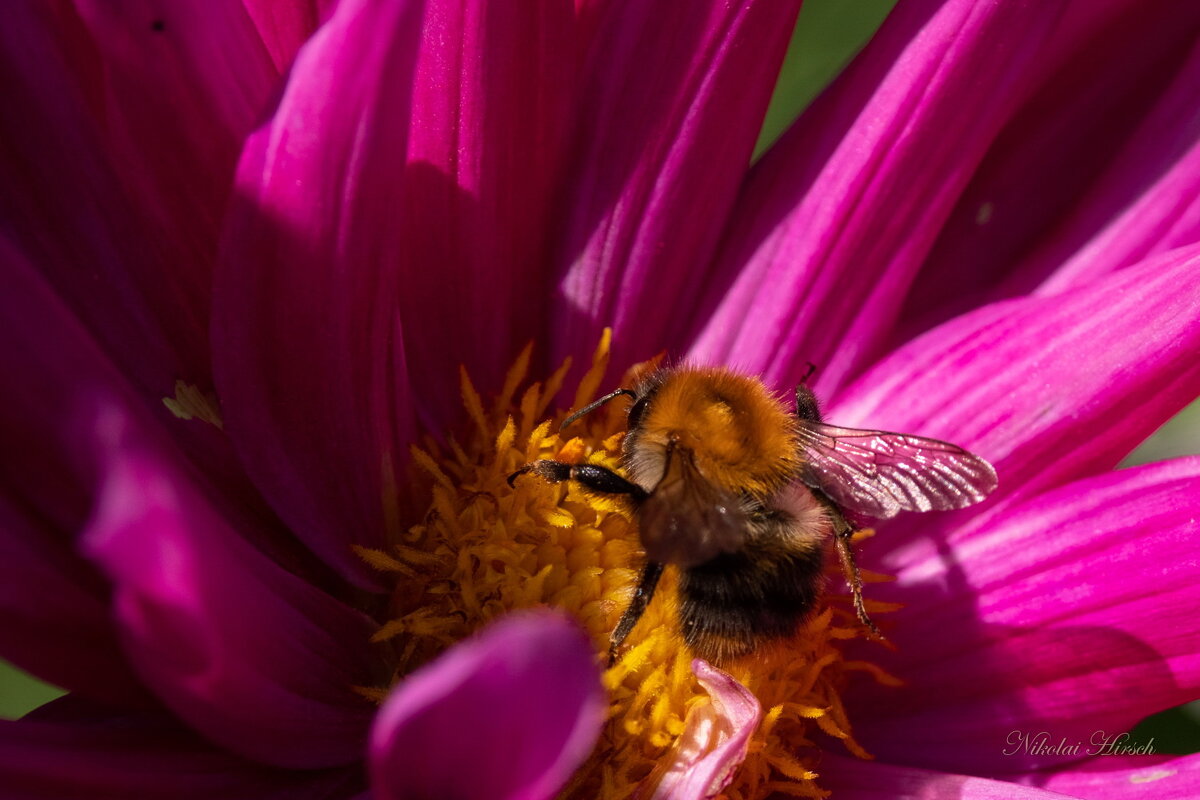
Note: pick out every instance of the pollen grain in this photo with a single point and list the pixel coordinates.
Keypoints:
(190, 402)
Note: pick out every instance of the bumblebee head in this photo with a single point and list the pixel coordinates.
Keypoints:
(739, 436)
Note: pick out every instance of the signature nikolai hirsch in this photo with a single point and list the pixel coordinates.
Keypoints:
(1043, 743)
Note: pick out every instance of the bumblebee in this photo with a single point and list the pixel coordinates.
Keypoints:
(741, 493)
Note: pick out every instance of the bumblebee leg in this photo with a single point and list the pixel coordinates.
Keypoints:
(807, 407)
(854, 578)
(590, 476)
(641, 598)
(843, 531)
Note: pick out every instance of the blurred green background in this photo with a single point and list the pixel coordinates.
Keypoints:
(828, 35)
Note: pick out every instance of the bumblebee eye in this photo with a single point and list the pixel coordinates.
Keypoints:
(637, 410)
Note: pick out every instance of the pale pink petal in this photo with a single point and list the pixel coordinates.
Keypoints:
(1048, 389)
(253, 657)
(713, 744)
(507, 715)
(835, 220)
(672, 98)
(1066, 616)
(851, 779)
(308, 349)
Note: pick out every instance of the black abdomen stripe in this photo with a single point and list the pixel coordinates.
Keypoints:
(736, 600)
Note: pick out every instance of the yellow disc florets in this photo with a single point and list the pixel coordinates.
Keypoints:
(485, 548)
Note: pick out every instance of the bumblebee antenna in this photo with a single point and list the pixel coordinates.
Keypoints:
(812, 368)
(592, 406)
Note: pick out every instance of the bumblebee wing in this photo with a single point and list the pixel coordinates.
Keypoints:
(878, 474)
(688, 520)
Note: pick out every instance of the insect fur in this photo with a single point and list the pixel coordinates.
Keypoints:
(740, 494)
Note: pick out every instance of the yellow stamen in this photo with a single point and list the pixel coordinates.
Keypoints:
(191, 403)
(484, 549)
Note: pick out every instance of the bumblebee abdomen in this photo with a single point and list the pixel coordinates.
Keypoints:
(733, 603)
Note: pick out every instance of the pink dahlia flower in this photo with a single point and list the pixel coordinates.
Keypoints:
(246, 245)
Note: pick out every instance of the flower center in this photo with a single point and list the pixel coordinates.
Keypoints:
(486, 548)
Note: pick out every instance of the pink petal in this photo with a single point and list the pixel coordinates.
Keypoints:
(184, 83)
(491, 100)
(1095, 173)
(508, 715)
(1108, 777)
(54, 605)
(253, 657)
(283, 27)
(1048, 389)
(67, 207)
(1147, 199)
(308, 349)
(72, 749)
(118, 147)
(121, 133)
(54, 616)
(835, 219)
(666, 119)
(714, 740)
(1018, 626)
(851, 779)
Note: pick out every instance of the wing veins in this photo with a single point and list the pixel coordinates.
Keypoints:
(880, 473)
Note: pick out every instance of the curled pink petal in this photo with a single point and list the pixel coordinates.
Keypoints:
(508, 715)
(253, 657)
(714, 740)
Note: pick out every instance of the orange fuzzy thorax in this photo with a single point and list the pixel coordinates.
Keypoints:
(741, 436)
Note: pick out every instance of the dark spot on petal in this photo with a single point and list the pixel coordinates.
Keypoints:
(158, 25)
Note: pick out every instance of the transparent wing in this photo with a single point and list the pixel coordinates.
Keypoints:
(878, 474)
